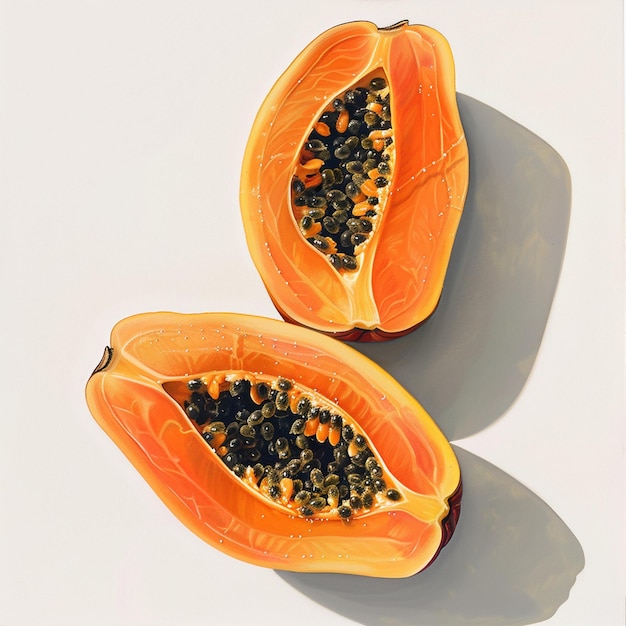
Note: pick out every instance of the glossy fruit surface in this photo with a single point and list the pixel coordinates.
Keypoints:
(354, 180)
(138, 394)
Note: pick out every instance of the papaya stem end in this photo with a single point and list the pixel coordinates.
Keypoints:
(104, 361)
(395, 26)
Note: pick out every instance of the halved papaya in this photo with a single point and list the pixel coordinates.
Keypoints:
(277, 445)
(354, 180)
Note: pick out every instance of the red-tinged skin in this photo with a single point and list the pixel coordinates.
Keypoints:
(153, 353)
(403, 264)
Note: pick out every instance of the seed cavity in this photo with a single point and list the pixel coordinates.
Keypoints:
(344, 169)
(292, 446)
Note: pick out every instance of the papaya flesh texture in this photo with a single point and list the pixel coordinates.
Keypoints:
(354, 180)
(393, 496)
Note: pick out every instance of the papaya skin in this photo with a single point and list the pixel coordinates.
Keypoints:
(127, 396)
(402, 267)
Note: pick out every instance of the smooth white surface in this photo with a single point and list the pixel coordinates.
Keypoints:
(123, 128)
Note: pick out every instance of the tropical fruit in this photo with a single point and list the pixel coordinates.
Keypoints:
(278, 445)
(354, 180)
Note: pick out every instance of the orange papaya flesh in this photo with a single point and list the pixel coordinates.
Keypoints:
(280, 446)
(378, 497)
(354, 180)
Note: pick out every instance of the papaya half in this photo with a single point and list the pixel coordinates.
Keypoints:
(277, 445)
(354, 180)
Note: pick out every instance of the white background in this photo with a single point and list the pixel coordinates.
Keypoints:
(123, 129)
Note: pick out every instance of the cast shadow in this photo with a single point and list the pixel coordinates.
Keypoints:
(469, 361)
(512, 561)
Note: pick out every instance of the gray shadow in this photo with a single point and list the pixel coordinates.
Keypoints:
(512, 561)
(469, 361)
